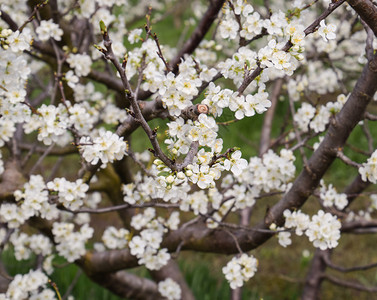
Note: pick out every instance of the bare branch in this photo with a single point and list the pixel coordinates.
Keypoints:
(350, 284)
(370, 116)
(330, 264)
(103, 210)
(347, 160)
(171, 270)
(268, 117)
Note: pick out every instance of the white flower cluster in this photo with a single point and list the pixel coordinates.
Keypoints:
(29, 286)
(51, 123)
(182, 134)
(34, 202)
(203, 171)
(80, 63)
(146, 246)
(217, 99)
(17, 41)
(284, 238)
(200, 172)
(206, 52)
(322, 81)
(297, 220)
(174, 187)
(323, 230)
(87, 93)
(327, 32)
(308, 116)
(178, 91)
(141, 190)
(235, 163)
(24, 245)
(271, 172)
(154, 66)
(240, 269)
(237, 196)
(368, 171)
(134, 35)
(196, 202)
(243, 196)
(82, 117)
(234, 68)
(250, 20)
(106, 147)
(14, 72)
(113, 115)
(145, 188)
(169, 289)
(70, 194)
(48, 29)
(271, 56)
(331, 197)
(304, 115)
(71, 79)
(71, 244)
(115, 238)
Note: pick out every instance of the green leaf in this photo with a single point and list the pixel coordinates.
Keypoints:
(163, 173)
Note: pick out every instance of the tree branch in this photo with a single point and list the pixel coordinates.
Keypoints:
(128, 285)
(350, 284)
(367, 11)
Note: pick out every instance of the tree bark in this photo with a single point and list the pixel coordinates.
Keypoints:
(314, 277)
(367, 11)
(171, 270)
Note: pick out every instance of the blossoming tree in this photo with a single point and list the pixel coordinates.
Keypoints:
(72, 96)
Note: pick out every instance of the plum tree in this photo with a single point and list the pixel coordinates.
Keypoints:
(84, 85)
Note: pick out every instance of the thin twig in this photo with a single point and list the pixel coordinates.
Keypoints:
(131, 96)
(43, 156)
(235, 240)
(350, 284)
(330, 264)
(120, 207)
(368, 136)
(73, 284)
(347, 160)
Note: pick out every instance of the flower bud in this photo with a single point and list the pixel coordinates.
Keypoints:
(170, 179)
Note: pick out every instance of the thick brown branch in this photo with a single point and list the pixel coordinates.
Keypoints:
(128, 285)
(314, 277)
(367, 11)
(171, 270)
(351, 226)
